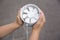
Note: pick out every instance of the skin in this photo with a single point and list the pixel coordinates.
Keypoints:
(37, 27)
(8, 28)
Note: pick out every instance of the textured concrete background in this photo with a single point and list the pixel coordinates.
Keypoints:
(51, 8)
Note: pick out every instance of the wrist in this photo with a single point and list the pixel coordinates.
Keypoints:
(16, 24)
(36, 29)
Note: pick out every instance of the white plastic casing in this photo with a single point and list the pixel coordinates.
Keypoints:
(30, 13)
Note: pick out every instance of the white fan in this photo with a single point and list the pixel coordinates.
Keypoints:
(30, 13)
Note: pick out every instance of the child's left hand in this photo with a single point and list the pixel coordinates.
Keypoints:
(18, 19)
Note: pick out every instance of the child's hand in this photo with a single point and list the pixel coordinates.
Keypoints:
(40, 22)
(18, 19)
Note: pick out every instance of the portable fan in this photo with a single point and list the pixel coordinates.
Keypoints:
(30, 13)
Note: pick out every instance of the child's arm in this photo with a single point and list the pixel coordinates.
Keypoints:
(8, 28)
(37, 27)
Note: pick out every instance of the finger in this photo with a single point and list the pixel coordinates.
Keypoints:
(18, 13)
(43, 15)
(43, 20)
(41, 11)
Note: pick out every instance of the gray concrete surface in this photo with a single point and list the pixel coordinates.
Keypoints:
(51, 8)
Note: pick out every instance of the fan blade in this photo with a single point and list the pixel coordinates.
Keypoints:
(30, 9)
(26, 11)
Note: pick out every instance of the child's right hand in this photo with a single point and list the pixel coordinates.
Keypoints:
(38, 26)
